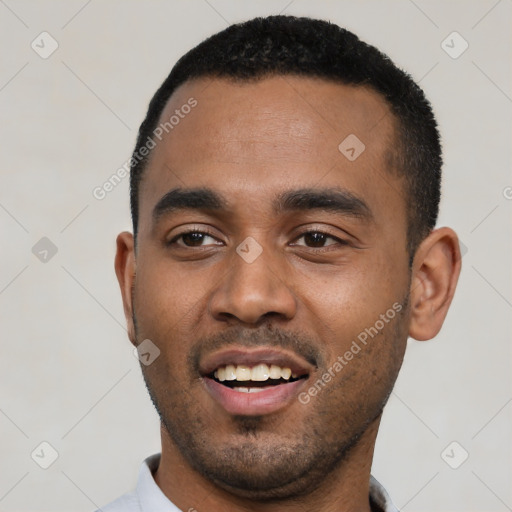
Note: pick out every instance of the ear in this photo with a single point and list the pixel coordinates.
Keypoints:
(435, 273)
(125, 266)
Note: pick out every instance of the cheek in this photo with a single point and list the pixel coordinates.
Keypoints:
(166, 286)
(360, 305)
(364, 361)
(167, 303)
(354, 298)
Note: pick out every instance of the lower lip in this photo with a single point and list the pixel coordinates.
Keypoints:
(252, 404)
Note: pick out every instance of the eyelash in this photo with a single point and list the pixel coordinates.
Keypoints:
(210, 234)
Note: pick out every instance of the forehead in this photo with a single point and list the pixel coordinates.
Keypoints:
(249, 139)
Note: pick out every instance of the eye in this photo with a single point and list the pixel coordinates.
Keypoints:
(192, 238)
(316, 239)
(313, 239)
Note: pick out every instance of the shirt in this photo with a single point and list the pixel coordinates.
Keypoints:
(148, 497)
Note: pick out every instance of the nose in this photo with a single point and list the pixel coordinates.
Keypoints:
(251, 291)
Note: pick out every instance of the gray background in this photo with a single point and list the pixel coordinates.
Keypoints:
(69, 121)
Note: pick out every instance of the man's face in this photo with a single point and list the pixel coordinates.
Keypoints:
(252, 287)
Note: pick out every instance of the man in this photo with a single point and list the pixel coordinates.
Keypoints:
(284, 192)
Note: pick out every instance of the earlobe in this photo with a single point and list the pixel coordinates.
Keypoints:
(435, 273)
(125, 267)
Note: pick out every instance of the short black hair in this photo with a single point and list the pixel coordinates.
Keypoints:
(289, 45)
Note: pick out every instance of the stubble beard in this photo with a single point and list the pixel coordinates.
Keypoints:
(259, 464)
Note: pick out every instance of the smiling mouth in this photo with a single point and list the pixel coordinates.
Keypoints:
(254, 379)
(254, 382)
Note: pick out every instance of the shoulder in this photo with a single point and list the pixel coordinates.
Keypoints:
(126, 503)
(131, 501)
(379, 498)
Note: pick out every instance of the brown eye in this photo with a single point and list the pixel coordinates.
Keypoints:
(317, 239)
(192, 239)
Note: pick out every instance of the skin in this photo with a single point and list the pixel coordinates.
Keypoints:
(249, 141)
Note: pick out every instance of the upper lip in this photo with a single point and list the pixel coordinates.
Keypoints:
(243, 356)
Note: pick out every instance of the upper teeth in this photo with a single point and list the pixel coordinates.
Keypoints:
(260, 372)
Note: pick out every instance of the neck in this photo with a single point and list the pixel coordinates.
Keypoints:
(346, 488)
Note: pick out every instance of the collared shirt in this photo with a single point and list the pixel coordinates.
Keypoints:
(148, 497)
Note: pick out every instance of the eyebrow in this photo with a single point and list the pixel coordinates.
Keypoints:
(336, 200)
